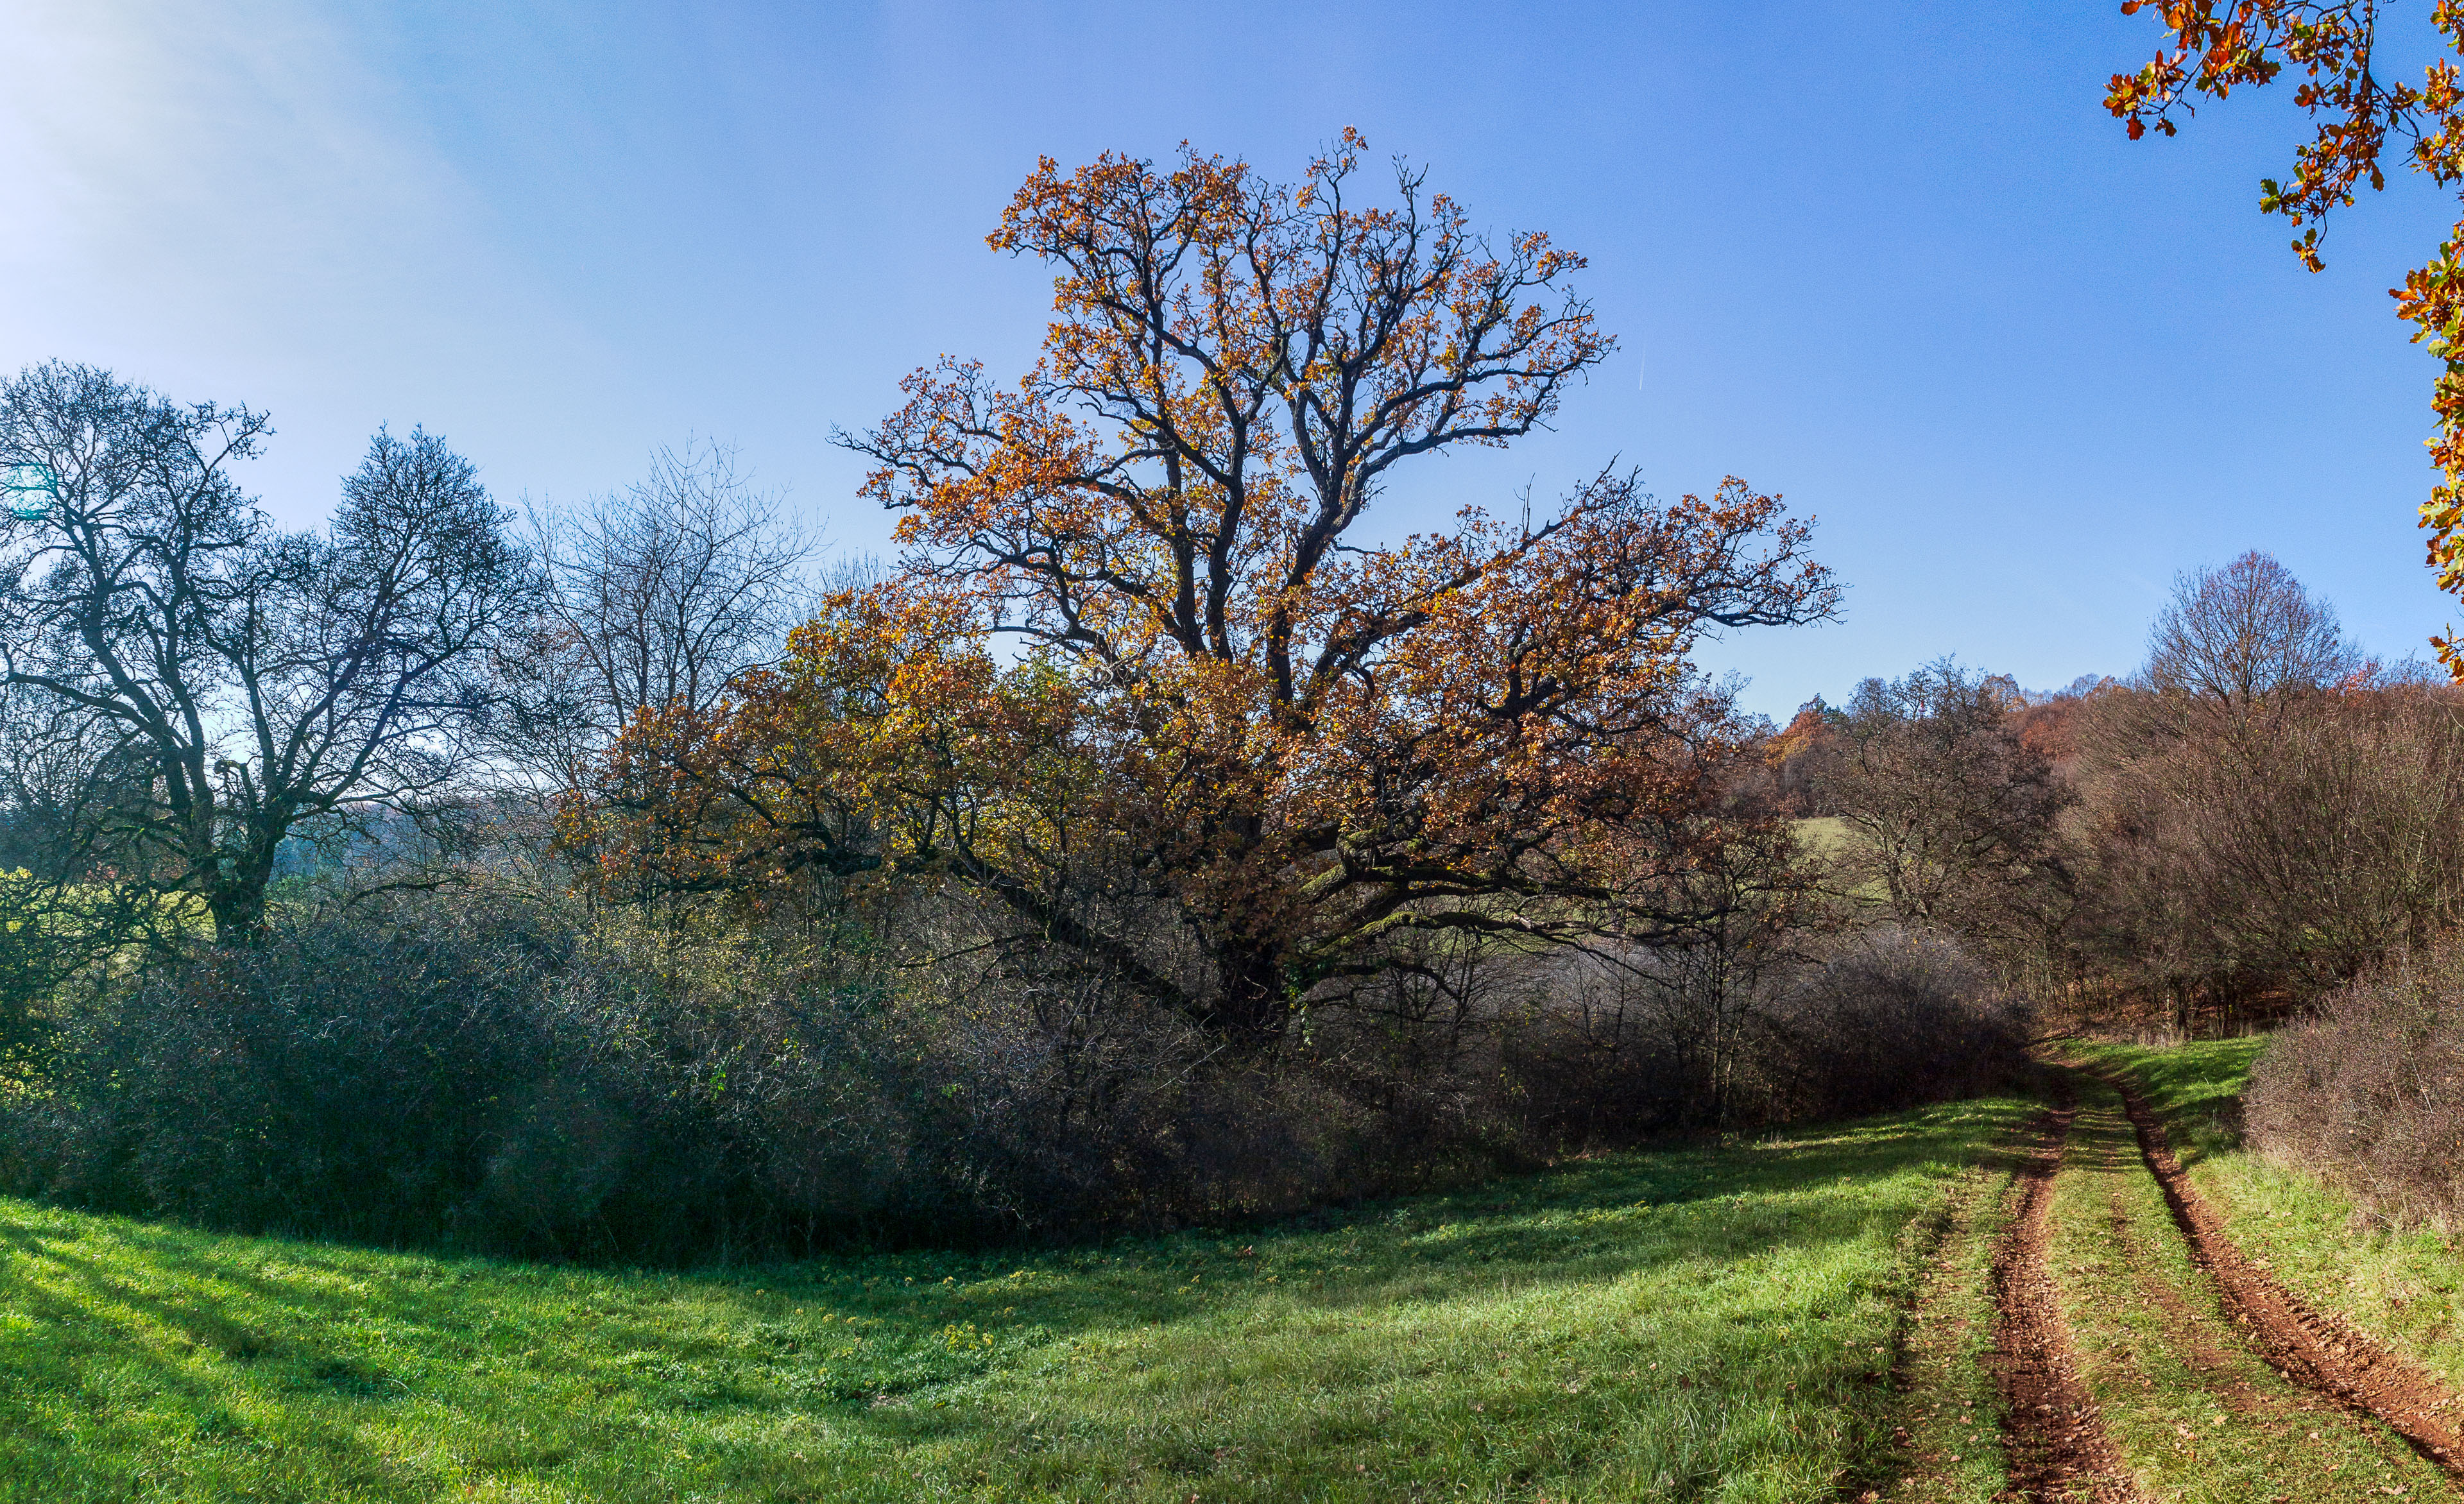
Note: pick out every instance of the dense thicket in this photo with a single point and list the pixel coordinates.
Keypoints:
(501, 1074)
(2370, 1092)
(2252, 860)
(2255, 818)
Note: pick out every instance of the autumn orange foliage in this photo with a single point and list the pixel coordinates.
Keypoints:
(2212, 47)
(1233, 751)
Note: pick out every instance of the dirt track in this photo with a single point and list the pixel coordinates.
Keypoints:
(2055, 1439)
(2309, 1349)
(2057, 1442)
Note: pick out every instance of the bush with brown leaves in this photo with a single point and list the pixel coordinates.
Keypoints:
(2369, 1091)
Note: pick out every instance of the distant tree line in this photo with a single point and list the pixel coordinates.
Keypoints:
(2255, 817)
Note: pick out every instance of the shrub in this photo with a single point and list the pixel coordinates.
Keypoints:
(490, 1073)
(2370, 1090)
(2259, 856)
(499, 1075)
(1690, 1039)
(1891, 1019)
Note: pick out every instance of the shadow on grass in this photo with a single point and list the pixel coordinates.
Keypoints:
(1586, 1208)
(201, 1326)
(118, 1377)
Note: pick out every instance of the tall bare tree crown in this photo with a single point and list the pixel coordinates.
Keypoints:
(659, 596)
(2245, 634)
(232, 680)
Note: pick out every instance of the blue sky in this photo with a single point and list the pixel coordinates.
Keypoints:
(1892, 260)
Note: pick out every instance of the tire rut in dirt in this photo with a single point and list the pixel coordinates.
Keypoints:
(2053, 1433)
(2311, 1350)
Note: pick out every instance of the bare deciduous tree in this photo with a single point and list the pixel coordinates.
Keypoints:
(2236, 866)
(237, 681)
(1950, 812)
(2245, 636)
(658, 597)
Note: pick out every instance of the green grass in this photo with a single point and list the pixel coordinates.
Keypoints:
(1830, 838)
(2195, 1088)
(2398, 1284)
(1707, 1324)
(1824, 835)
(1950, 1446)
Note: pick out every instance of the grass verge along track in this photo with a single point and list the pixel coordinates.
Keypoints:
(2054, 1437)
(2202, 1394)
(2354, 1273)
(2328, 1358)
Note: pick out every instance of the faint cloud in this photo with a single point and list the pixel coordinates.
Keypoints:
(221, 168)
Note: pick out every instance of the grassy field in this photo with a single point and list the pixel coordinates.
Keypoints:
(1824, 835)
(2399, 1285)
(1712, 1324)
(1806, 1317)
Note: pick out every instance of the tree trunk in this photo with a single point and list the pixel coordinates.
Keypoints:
(1256, 1002)
(238, 899)
(238, 911)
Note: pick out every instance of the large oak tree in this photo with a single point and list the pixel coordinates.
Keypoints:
(1242, 747)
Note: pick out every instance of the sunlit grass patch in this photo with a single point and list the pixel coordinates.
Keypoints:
(1706, 1323)
(2195, 1088)
(1946, 1446)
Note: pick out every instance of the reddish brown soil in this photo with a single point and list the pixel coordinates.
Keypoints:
(2057, 1442)
(2310, 1349)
